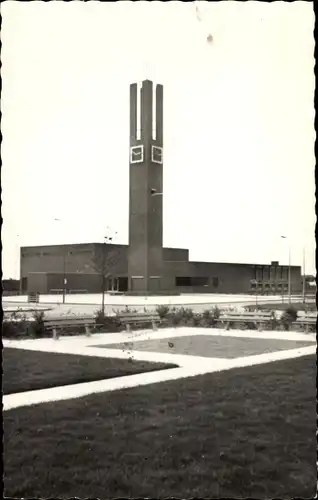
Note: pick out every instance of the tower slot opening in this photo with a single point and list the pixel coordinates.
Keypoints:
(138, 111)
(154, 127)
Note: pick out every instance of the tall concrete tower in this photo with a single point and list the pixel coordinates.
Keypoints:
(145, 174)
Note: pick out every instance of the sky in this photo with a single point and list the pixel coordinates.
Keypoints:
(238, 125)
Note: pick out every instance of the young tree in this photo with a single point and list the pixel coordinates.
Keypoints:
(103, 262)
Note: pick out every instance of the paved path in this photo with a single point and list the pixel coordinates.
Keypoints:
(90, 303)
(287, 344)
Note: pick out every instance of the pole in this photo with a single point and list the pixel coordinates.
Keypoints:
(103, 276)
(304, 277)
(64, 275)
(289, 277)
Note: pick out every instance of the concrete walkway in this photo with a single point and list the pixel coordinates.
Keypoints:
(188, 365)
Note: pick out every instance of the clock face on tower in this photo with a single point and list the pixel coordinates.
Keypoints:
(156, 154)
(136, 154)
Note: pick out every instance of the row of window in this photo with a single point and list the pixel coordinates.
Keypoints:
(266, 272)
(193, 281)
(254, 286)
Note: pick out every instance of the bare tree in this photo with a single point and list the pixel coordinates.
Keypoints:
(103, 262)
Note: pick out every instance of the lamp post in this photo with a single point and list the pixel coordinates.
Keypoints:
(153, 192)
(64, 275)
(64, 269)
(17, 271)
(304, 276)
(289, 273)
(104, 267)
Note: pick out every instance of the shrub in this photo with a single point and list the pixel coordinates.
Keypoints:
(246, 325)
(182, 316)
(10, 330)
(288, 317)
(16, 326)
(36, 328)
(216, 311)
(174, 317)
(107, 323)
(163, 311)
(274, 322)
(197, 320)
(292, 312)
(208, 318)
(186, 313)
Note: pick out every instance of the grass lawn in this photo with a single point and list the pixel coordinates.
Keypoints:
(25, 370)
(246, 432)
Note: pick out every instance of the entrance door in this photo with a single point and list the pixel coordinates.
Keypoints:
(122, 284)
(109, 284)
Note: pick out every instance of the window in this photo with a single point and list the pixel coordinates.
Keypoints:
(183, 281)
(191, 281)
(199, 281)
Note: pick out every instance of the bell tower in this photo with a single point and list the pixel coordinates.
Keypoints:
(145, 174)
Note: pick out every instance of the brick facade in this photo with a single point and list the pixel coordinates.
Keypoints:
(42, 270)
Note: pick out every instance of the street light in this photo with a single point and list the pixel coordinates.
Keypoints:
(304, 276)
(64, 268)
(289, 277)
(17, 271)
(153, 192)
(104, 266)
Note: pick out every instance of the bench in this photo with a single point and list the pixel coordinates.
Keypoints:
(129, 319)
(256, 318)
(307, 320)
(57, 325)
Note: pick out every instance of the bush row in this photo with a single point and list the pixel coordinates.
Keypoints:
(18, 326)
(208, 318)
(183, 316)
